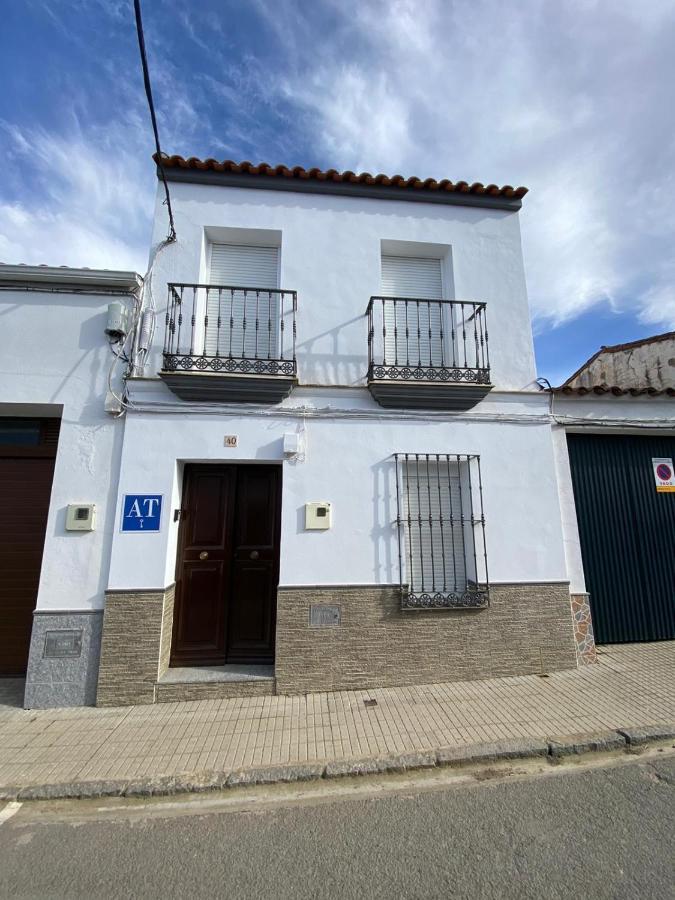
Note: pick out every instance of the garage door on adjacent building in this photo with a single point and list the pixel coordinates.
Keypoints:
(627, 533)
(27, 454)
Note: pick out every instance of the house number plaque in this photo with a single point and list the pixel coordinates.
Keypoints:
(231, 440)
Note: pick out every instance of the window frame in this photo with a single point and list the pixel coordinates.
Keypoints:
(468, 520)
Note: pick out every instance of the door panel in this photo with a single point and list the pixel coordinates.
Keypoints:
(209, 500)
(201, 621)
(203, 566)
(228, 565)
(251, 631)
(256, 565)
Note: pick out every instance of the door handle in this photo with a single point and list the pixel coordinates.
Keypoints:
(254, 554)
(203, 555)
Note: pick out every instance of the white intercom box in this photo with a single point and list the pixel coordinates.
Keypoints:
(80, 517)
(318, 515)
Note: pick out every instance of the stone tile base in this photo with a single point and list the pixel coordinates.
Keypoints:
(583, 629)
(213, 690)
(526, 630)
(135, 645)
(54, 680)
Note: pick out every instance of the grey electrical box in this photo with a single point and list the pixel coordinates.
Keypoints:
(80, 517)
(116, 326)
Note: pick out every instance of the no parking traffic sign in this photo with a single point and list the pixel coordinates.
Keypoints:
(664, 475)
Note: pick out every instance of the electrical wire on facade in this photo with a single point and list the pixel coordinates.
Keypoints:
(132, 350)
(148, 93)
(128, 350)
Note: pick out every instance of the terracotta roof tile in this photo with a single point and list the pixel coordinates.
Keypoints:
(417, 184)
(614, 391)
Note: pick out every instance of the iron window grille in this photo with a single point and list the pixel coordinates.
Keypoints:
(441, 531)
(231, 330)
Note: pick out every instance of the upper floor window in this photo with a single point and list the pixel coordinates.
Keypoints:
(413, 332)
(243, 322)
(408, 276)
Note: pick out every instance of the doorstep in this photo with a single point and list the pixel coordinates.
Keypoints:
(214, 682)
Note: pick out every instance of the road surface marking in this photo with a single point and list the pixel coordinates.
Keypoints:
(7, 813)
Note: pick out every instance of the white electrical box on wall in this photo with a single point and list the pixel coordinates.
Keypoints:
(291, 443)
(318, 515)
(80, 517)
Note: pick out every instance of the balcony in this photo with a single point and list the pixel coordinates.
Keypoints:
(427, 354)
(230, 344)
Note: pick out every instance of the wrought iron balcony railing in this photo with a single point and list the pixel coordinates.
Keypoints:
(230, 344)
(230, 330)
(429, 342)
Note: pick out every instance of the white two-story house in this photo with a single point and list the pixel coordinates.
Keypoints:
(306, 452)
(337, 470)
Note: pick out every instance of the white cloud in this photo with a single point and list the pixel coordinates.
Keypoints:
(573, 100)
(89, 204)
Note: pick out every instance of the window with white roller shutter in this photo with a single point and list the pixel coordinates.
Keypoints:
(419, 279)
(254, 268)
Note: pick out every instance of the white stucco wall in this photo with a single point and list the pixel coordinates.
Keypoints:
(600, 412)
(568, 512)
(330, 254)
(349, 462)
(55, 360)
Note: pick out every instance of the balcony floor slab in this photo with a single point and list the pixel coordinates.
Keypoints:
(225, 388)
(428, 395)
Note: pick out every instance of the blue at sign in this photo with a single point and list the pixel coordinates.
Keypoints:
(141, 512)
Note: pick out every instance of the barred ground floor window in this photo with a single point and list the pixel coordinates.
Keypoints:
(441, 531)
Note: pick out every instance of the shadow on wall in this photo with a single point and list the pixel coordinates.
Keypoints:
(106, 523)
(334, 366)
(272, 452)
(384, 531)
(99, 454)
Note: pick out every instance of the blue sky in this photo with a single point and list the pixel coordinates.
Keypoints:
(573, 100)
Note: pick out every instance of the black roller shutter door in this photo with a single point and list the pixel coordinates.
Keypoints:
(627, 533)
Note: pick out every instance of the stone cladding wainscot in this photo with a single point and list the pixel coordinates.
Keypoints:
(583, 629)
(135, 645)
(526, 630)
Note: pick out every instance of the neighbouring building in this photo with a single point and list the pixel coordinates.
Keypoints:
(334, 468)
(614, 428)
(59, 466)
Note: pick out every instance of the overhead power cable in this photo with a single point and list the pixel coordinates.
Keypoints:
(148, 93)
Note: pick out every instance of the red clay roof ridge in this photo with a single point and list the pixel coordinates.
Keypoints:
(298, 172)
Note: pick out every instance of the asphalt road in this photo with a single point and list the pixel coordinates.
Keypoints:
(576, 832)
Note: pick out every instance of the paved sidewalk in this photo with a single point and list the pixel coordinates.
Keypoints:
(632, 685)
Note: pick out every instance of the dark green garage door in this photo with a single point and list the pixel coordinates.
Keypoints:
(627, 532)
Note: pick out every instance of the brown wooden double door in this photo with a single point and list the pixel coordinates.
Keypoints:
(228, 565)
